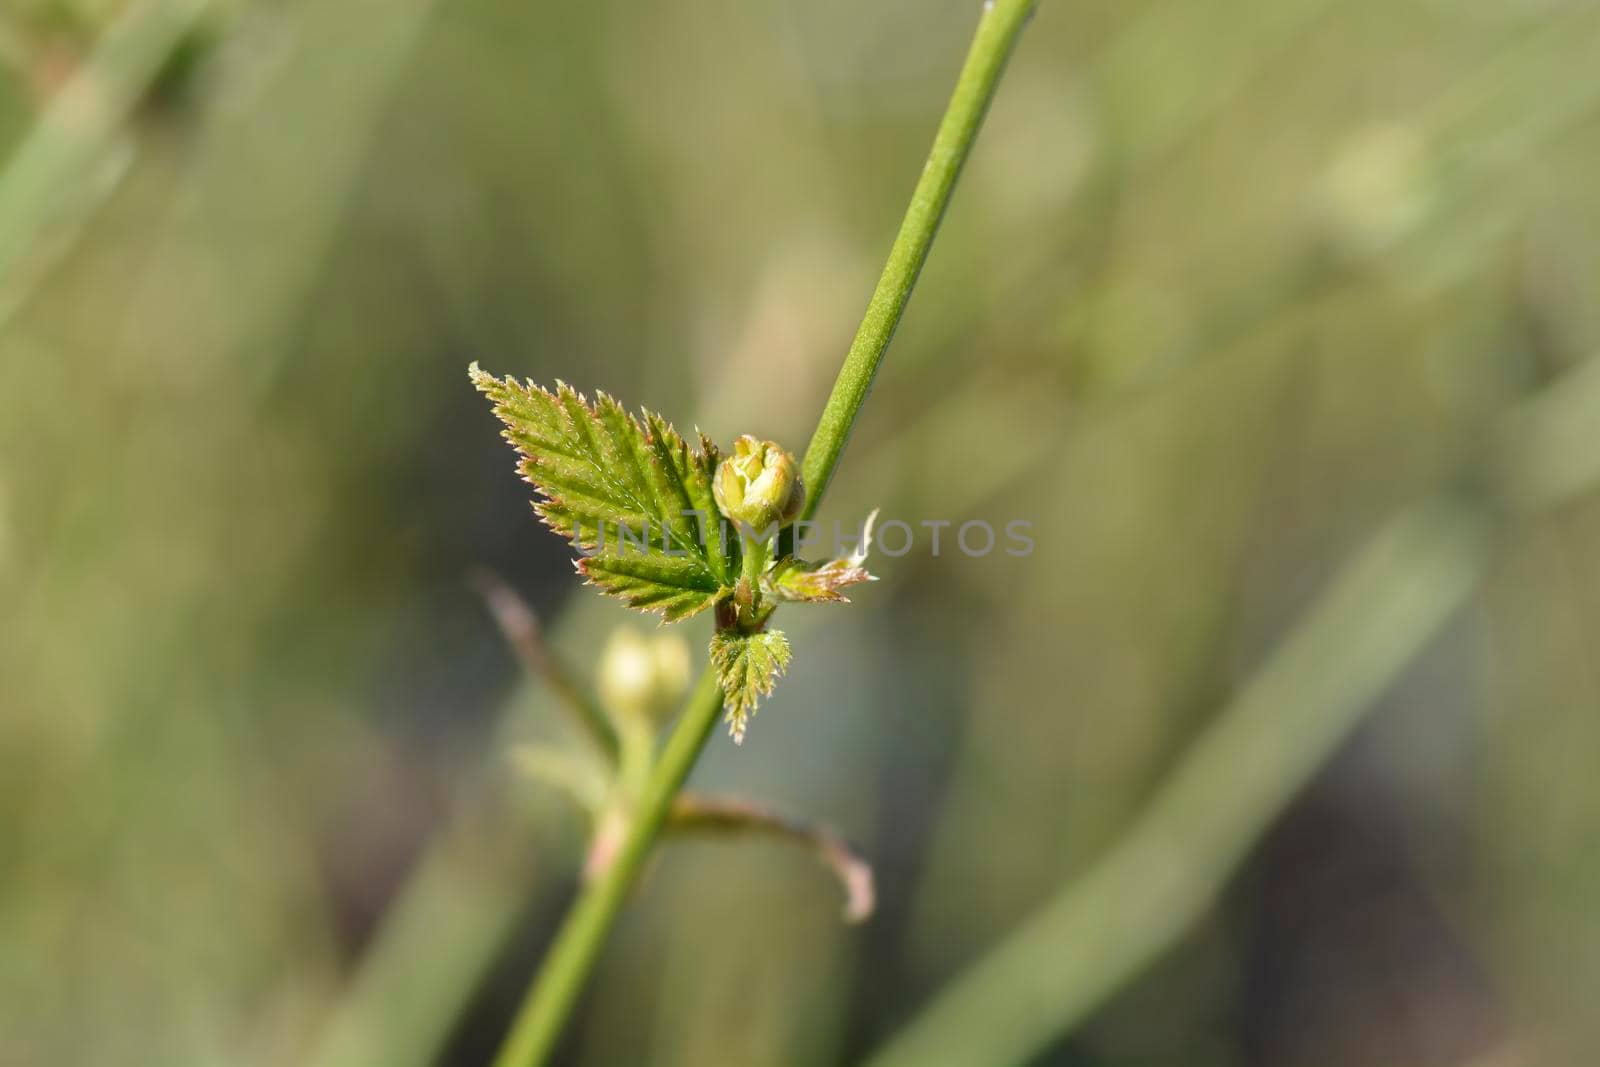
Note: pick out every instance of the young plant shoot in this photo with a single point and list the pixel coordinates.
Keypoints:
(673, 530)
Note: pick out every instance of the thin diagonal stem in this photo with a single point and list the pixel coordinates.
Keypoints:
(998, 30)
(577, 946)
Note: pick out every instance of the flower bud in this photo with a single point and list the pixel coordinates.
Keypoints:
(643, 676)
(759, 485)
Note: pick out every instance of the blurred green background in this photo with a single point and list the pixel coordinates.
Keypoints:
(1226, 285)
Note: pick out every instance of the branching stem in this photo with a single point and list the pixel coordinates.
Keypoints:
(577, 946)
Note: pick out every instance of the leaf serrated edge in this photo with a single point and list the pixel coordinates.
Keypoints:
(668, 608)
(601, 428)
(731, 650)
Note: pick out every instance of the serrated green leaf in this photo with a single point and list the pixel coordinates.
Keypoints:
(748, 665)
(631, 494)
(677, 588)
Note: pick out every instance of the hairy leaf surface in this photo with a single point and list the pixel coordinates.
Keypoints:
(797, 579)
(792, 578)
(627, 491)
(748, 665)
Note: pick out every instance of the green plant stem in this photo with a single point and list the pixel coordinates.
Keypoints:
(754, 560)
(998, 30)
(572, 956)
(577, 946)
(1100, 930)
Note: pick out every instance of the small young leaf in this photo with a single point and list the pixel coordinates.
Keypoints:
(797, 579)
(792, 578)
(747, 665)
(630, 493)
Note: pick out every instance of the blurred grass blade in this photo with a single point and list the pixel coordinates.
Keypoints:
(1154, 114)
(1545, 452)
(1102, 929)
(453, 913)
(58, 173)
(272, 173)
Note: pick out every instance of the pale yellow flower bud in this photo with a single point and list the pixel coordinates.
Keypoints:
(643, 675)
(759, 485)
